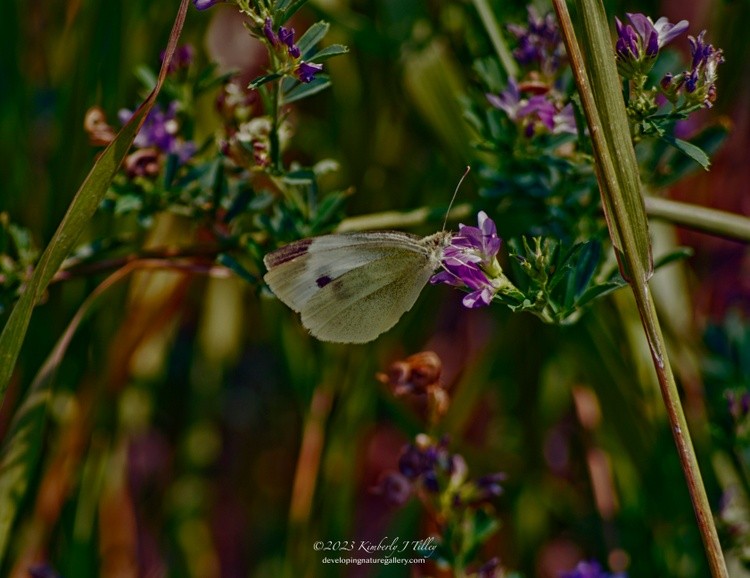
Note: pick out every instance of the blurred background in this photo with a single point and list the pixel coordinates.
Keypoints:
(196, 430)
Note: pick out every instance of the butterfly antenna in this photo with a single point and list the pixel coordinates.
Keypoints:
(453, 198)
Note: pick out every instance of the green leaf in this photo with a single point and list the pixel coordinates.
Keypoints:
(690, 150)
(82, 208)
(678, 254)
(300, 177)
(311, 37)
(289, 9)
(599, 291)
(302, 90)
(328, 52)
(261, 80)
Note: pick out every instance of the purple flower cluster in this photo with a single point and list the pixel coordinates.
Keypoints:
(284, 40)
(161, 131)
(471, 261)
(425, 461)
(698, 85)
(428, 464)
(590, 569)
(639, 42)
(535, 115)
(539, 42)
(739, 406)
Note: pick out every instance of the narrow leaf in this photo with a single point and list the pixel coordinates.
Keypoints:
(328, 52)
(261, 80)
(82, 208)
(302, 90)
(311, 37)
(689, 149)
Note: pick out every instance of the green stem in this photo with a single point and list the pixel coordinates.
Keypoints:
(274, 136)
(712, 221)
(496, 37)
(638, 274)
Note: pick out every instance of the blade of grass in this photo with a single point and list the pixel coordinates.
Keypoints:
(81, 209)
(628, 228)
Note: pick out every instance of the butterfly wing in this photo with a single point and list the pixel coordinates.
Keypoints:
(351, 288)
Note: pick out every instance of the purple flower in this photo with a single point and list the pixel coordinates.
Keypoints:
(205, 4)
(700, 80)
(306, 71)
(490, 569)
(539, 42)
(534, 114)
(42, 571)
(489, 486)
(591, 569)
(161, 131)
(395, 488)
(426, 461)
(639, 42)
(182, 58)
(268, 32)
(471, 261)
(286, 36)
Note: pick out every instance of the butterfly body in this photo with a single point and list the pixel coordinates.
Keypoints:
(350, 288)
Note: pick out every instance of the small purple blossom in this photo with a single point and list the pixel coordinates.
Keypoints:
(489, 486)
(205, 4)
(700, 80)
(395, 488)
(471, 261)
(590, 569)
(182, 58)
(539, 42)
(490, 569)
(161, 131)
(42, 571)
(306, 71)
(426, 461)
(269, 33)
(639, 42)
(534, 114)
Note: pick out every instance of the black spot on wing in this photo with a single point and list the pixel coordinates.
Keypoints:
(323, 280)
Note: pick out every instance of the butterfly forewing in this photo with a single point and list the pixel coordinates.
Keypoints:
(351, 288)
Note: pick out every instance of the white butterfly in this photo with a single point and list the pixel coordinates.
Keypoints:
(350, 288)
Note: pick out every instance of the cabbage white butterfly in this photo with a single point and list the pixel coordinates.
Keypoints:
(351, 287)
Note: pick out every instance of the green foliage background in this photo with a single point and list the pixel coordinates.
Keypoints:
(216, 389)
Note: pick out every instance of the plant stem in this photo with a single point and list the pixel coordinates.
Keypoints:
(274, 136)
(621, 221)
(493, 30)
(712, 221)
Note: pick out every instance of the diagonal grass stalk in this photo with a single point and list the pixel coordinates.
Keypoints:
(596, 80)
